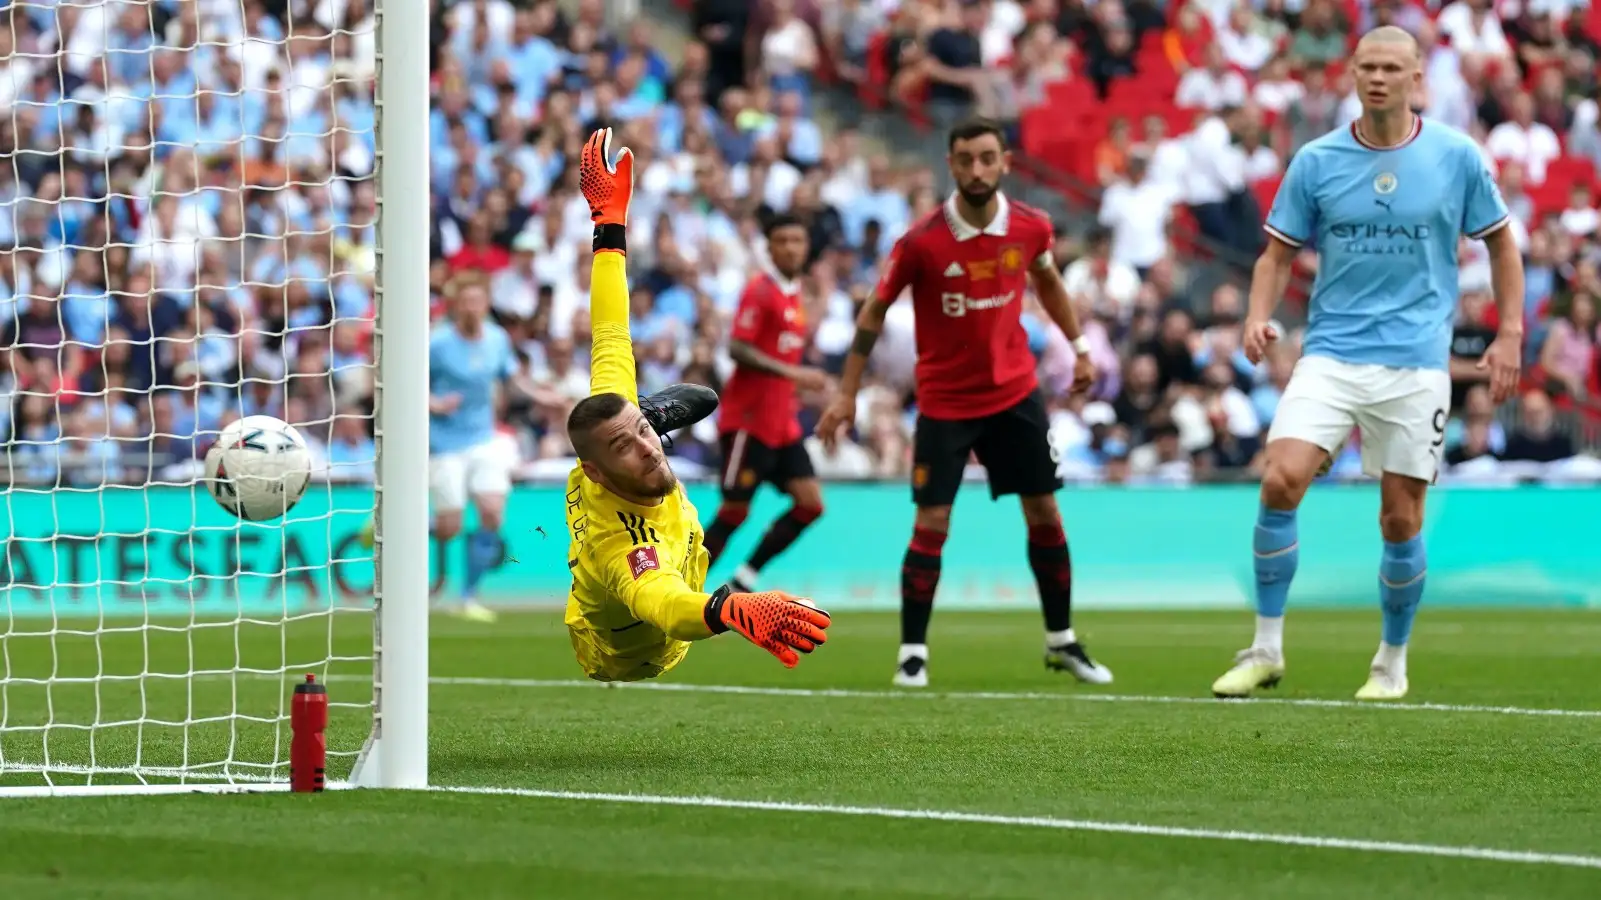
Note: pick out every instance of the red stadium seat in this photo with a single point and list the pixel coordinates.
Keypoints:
(1264, 191)
(1567, 171)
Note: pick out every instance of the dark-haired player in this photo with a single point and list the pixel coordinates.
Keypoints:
(968, 265)
(637, 553)
(760, 425)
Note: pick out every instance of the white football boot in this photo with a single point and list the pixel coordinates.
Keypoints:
(1253, 668)
(1383, 684)
(1072, 658)
(911, 666)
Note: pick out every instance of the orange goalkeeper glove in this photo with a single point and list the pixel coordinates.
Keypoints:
(608, 184)
(783, 625)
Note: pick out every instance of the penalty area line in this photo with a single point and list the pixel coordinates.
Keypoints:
(736, 689)
(1085, 825)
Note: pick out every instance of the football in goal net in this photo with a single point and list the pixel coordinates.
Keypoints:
(197, 231)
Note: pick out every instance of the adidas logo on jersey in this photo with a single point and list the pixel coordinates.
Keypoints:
(954, 270)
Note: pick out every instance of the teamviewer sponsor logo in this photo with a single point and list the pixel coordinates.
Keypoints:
(957, 304)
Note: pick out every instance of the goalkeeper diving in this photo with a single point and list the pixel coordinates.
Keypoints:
(637, 552)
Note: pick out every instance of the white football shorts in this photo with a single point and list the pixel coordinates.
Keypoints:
(1401, 413)
(484, 469)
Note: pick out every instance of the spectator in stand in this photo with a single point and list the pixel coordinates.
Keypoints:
(1410, 17)
(1113, 53)
(1470, 337)
(1215, 188)
(1536, 439)
(883, 201)
(1539, 273)
(1276, 90)
(1112, 153)
(1187, 36)
(1167, 156)
(1261, 161)
(1162, 458)
(1497, 89)
(1450, 100)
(789, 50)
(955, 65)
(1043, 58)
(1173, 348)
(1442, 64)
(1232, 418)
(1247, 41)
(1221, 338)
(848, 29)
(1523, 140)
(1106, 286)
(1138, 211)
(722, 26)
(1579, 77)
(1140, 397)
(1474, 447)
(1568, 356)
(1579, 217)
(1474, 29)
(1517, 199)
(1551, 107)
(1320, 40)
(1317, 111)
(1477, 411)
(1213, 86)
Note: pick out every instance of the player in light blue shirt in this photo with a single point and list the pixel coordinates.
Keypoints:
(469, 357)
(1384, 203)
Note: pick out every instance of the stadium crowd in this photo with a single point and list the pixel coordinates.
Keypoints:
(177, 255)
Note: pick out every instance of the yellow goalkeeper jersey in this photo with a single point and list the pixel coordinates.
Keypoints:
(638, 571)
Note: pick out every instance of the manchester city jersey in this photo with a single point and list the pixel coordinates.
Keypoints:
(1385, 224)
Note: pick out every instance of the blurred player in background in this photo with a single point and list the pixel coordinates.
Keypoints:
(468, 358)
(968, 265)
(1383, 202)
(637, 555)
(759, 422)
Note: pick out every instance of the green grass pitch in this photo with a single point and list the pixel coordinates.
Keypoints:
(1003, 738)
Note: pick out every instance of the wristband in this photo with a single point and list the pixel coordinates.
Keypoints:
(1081, 345)
(610, 237)
(714, 611)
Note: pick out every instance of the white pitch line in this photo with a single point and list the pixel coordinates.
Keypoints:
(1526, 857)
(1089, 825)
(681, 687)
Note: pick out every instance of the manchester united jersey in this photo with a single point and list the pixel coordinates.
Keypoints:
(772, 320)
(967, 287)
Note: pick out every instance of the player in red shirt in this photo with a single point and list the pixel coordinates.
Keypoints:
(968, 266)
(761, 433)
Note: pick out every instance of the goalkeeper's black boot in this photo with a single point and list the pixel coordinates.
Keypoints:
(678, 406)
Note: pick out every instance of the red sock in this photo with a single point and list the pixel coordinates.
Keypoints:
(1048, 556)
(919, 580)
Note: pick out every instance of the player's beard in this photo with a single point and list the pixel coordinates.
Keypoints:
(977, 194)
(655, 484)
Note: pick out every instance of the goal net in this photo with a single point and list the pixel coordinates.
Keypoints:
(191, 234)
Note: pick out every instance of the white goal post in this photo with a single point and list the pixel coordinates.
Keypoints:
(211, 208)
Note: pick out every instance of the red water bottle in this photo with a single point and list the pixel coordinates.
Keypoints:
(308, 747)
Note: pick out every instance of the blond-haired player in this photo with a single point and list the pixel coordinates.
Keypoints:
(1384, 203)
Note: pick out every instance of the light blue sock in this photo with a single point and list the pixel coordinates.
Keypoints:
(484, 552)
(1401, 576)
(1277, 551)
